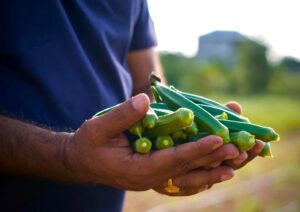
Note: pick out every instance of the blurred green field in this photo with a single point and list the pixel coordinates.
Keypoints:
(280, 112)
(263, 185)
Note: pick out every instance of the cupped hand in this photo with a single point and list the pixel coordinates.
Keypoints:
(244, 157)
(98, 152)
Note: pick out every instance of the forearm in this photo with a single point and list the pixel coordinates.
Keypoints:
(29, 150)
(157, 70)
(141, 64)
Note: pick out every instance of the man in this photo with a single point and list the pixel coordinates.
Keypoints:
(62, 61)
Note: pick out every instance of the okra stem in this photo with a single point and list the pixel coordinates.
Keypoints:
(137, 129)
(222, 116)
(155, 94)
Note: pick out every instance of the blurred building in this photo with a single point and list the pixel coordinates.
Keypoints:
(219, 46)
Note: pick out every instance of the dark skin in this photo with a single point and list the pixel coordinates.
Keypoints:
(99, 153)
(75, 157)
(108, 146)
(190, 184)
(245, 157)
(141, 64)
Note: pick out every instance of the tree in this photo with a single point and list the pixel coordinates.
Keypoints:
(255, 70)
(290, 64)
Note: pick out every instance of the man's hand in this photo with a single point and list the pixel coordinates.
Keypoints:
(98, 152)
(244, 157)
(201, 179)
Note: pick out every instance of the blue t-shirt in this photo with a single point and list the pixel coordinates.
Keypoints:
(61, 62)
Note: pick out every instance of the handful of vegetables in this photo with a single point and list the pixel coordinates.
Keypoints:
(178, 117)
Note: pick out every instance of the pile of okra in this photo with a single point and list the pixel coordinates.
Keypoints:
(178, 117)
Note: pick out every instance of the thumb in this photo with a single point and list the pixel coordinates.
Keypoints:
(122, 117)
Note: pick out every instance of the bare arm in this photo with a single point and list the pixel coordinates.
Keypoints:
(98, 152)
(26, 149)
(141, 63)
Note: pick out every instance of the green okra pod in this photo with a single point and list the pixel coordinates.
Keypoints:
(106, 110)
(161, 112)
(155, 94)
(163, 142)
(192, 129)
(204, 120)
(266, 151)
(260, 132)
(222, 116)
(150, 119)
(243, 140)
(179, 135)
(217, 111)
(159, 105)
(170, 123)
(142, 145)
(202, 100)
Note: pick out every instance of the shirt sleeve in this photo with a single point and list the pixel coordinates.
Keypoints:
(143, 34)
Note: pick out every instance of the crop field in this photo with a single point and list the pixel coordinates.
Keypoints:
(265, 184)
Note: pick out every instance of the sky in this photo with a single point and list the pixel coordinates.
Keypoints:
(179, 23)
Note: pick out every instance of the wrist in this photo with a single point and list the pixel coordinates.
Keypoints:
(67, 156)
(71, 159)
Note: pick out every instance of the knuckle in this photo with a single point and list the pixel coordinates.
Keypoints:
(227, 152)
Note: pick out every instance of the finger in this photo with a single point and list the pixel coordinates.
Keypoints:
(235, 106)
(178, 160)
(213, 165)
(201, 177)
(214, 159)
(259, 145)
(122, 117)
(186, 192)
(199, 180)
(251, 154)
(235, 163)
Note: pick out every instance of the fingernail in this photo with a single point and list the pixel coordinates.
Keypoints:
(215, 164)
(226, 177)
(139, 102)
(232, 156)
(238, 162)
(217, 145)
